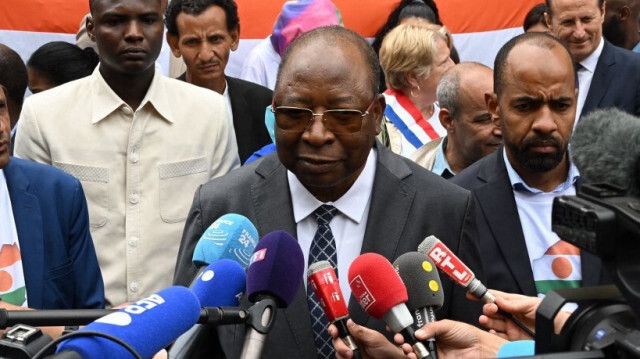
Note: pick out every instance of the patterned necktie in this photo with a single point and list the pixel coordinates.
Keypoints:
(323, 248)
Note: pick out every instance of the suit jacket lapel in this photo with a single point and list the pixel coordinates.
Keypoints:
(274, 212)
(499, 206)
(28, 220)
(383, 236)
(601, 78)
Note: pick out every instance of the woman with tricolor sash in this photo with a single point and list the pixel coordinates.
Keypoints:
(413, 56)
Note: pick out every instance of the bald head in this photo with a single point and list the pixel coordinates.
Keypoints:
(460, 77)
(334, 37)
(13, 75)
(539, 40)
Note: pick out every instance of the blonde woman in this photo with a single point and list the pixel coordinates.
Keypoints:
(413, 56)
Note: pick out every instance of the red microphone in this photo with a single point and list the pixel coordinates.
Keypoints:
(324, 282)
(453, 267)
(380, 291)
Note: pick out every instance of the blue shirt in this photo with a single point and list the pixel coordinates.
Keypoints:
(441, 165)
(636, 48)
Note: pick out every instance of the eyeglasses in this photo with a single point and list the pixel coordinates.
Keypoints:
(338, 121)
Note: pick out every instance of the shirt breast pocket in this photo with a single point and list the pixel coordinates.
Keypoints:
(95, 183)
(178, 183)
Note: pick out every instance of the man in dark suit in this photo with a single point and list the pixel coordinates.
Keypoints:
(385, 203)
(608, 76)
(51, 222)
(513, 189)
(203, 33)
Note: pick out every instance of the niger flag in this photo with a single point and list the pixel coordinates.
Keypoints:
(12, 288)
(558, 268)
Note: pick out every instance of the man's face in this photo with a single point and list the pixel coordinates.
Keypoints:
(613, 27)
(128, 34)
(578, 23)
(204, 42)
(5, 130)
(327, 164)
(537, 107)
(472, 128)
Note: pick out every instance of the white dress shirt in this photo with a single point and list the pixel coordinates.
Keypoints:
(348, 226)
(139, 168)
(585, 75)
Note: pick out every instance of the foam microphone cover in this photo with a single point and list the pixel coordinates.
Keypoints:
(375, 284)
(427, 244)
(276, 268)
(606, 148)
(421, 278)
(231, 236)
(221, 284)
(147, 325)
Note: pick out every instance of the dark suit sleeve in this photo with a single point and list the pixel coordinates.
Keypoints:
(463, 309)
(193, 229)
(89, 291)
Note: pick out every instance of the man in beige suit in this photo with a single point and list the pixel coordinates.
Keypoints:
(139, 142)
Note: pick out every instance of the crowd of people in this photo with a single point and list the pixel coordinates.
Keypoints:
(111, 171)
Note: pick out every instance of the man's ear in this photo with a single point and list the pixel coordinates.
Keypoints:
(491, 99)
(173, 42)
(446, 120)
(235, 38)
(625, 13)
(547, 19)
(377, 110)
(90, 26)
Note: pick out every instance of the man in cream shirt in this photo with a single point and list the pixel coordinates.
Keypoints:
(139, 142)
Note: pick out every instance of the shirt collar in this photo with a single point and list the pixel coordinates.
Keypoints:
(352, 204)
(518, 184)
(105, 100)
(440, 163)
(592, 60)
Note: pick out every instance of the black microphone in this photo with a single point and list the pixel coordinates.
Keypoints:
(421, 278)
(606, 148)
(274, 277)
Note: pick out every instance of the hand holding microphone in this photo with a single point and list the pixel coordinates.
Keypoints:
(453, 267)
(324, 282)
(381, 293)
(421, 278)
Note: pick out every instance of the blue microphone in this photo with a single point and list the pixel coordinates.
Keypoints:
(222, 283)
(147, 325)
(231, 236)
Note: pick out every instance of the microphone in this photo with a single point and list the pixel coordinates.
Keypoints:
(324, 282)
(381, 293)
(453, 267)
(222, 283)
(147, 326)
(422, 281)
(273, 279)
(231, 236)
(605, 148)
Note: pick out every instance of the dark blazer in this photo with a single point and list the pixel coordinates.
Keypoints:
(408, 203)
(248, 104)
(616, 81)
(500, 237)
(58, 258)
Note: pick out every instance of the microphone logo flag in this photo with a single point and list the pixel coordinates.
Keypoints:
(362, 293)
(123, 318)
(258, 256)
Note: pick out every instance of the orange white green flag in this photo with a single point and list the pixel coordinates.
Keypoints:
(558, 268)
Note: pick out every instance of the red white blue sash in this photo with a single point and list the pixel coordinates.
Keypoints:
(409, 121)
